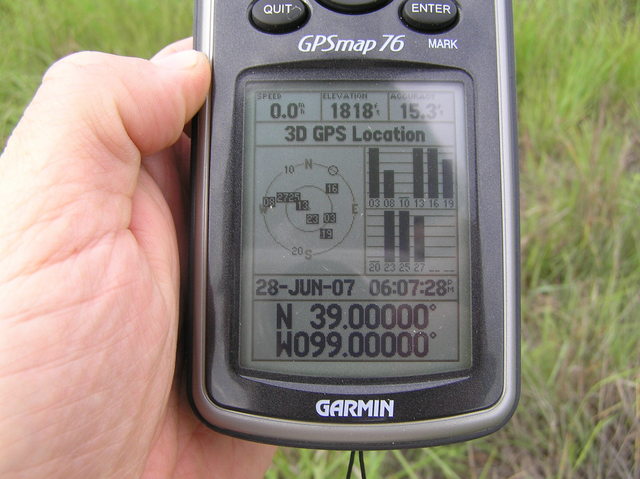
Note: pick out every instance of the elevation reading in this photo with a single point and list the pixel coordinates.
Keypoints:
(355, 229)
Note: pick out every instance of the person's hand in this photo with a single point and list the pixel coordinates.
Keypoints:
(91, 216)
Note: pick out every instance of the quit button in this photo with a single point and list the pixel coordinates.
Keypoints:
(430, 15)
(279, 16)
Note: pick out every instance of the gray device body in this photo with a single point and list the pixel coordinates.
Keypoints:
(475, 52)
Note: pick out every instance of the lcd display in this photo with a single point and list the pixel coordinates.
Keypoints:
(355, 229)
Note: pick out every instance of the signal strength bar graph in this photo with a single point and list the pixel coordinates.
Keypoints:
(411, 213)
(403, 173)
(411, 237)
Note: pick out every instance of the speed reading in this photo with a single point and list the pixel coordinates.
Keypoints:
(291, 111)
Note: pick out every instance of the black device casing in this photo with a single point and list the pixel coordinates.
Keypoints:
(429, 410)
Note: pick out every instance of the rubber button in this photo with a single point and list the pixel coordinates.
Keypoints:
(354, 6)
(279, 16)
(430, 15)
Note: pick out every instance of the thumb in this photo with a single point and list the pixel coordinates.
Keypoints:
(73, 160)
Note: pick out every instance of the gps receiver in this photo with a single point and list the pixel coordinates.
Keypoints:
(354, 268)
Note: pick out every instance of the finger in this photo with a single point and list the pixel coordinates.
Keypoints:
(164, 169)
(72, 163)
(179, 46)
(170, 169)
(183, 150)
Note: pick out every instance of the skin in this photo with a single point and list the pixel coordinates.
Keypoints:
(92, 198)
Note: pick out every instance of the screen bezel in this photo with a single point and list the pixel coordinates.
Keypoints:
(290, 396)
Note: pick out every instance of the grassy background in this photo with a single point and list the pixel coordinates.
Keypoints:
(579, 105)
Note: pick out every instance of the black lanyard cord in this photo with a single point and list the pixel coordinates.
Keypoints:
(352, 458)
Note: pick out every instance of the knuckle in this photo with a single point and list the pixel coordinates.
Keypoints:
(88, 87)
(77, 65)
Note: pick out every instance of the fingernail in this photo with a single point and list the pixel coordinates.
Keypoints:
(179, 61)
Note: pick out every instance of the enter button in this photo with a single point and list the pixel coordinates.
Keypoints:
(430, 15)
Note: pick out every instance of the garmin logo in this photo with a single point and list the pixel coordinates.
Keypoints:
(353, 408)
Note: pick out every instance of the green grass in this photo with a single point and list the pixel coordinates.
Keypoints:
(578, 73)
(34, 33)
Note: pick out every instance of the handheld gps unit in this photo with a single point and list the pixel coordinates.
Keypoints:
(354, 269)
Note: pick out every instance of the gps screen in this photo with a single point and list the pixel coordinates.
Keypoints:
(355, 229)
